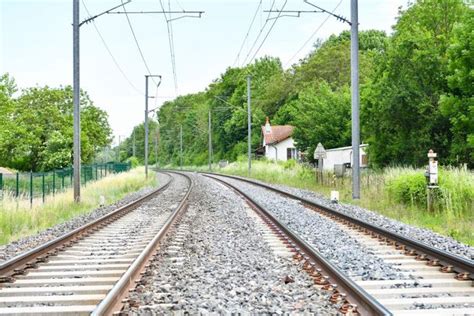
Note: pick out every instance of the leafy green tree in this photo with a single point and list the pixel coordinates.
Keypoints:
(457, 104)
(331, 62)
(7, 89)
(401, 112)
(40, 136)
(320, 114)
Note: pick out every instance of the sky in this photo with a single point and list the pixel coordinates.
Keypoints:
(36, 45)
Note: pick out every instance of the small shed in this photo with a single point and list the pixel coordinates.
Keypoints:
(343, 156)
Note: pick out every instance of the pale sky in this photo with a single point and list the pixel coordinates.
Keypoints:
(36, 45)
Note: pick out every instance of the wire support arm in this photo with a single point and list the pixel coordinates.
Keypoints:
(339, 17)
(290, 13)
(199, 13)
(88, 20)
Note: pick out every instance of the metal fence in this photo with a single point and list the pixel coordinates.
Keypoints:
(40, 184)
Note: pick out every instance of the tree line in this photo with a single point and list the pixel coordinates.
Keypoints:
(36, 129)
(416, 94)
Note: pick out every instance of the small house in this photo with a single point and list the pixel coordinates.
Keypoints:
(278, 143)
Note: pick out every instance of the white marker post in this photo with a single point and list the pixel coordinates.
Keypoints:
(432, 179)
(320, 154)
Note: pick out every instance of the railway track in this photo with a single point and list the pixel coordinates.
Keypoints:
(91, 269)
(440, 283)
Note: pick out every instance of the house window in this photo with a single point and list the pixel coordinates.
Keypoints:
(288, 154)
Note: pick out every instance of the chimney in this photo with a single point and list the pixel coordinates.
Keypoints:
(268, 128)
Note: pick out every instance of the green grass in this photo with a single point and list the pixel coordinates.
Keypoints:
(18, 219)
(393, 192)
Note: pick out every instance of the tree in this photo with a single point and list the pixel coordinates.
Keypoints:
(40, 136)
(400, 105)
(7, 88)
(320, 114)
(457, 104)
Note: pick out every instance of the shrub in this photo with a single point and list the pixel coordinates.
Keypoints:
(408, 188)
(133, 161)
(289, 164)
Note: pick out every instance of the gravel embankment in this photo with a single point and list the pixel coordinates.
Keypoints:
(224, 266)
(421, 234)
(325, 235)
(24, 244)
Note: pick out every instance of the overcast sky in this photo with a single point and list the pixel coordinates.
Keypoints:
(36, 45)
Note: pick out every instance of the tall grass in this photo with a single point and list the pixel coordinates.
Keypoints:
(18, 219)
(397, 192)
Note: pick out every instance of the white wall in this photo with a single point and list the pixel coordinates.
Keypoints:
(340, 156)
(281, 148)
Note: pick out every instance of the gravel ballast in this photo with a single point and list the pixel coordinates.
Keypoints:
(421, 234)
(224, 266)
(323, 234)
(19, 246)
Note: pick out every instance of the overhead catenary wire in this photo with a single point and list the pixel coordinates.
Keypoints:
(313, 34)
(114, 60)
(175, 74)
(171, 46)
(258, 36)
(268, 33)
(248, 32)
(138, 45)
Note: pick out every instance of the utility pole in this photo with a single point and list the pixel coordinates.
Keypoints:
(355, 100)
(76, 94)
(354, 23)
(156, 149)
(146, 126)
(210, 142)
(77, 112)
(249, 122)
(146, 119)
(134, 148)
(76, 88)
(181, 147)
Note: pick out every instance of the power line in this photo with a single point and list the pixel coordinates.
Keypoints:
(258, 36)
(314, 33)
(171, 46)
(110, 53)
(175, 73)
(138, 45)
(268, 33)
(248, 32)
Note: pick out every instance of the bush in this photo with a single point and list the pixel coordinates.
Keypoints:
(408, 188)
(289, 164)
(133, 161)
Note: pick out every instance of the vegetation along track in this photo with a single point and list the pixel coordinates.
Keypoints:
(91, 269)
(439, 282)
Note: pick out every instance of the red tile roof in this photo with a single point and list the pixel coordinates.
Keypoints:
(278, 133)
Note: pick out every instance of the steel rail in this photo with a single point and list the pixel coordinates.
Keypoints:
(366, 304)
(464, 267)
(114, 299)
(31, 258)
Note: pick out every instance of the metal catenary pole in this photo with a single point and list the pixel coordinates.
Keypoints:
(134, 148)
(249, 119)
(181, 147)
(355, 100)
(210, 141)
(77, 120)
(156, 149)
(146, 126)
(146, 119)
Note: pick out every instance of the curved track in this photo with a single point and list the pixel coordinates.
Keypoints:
(90, 269)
